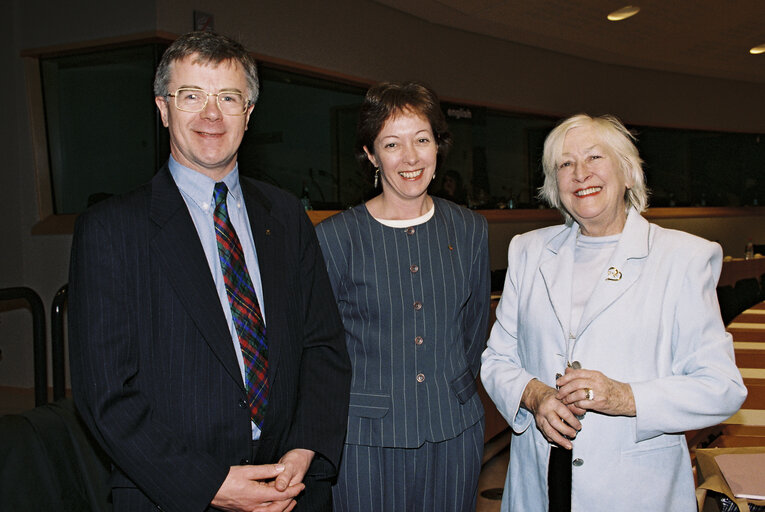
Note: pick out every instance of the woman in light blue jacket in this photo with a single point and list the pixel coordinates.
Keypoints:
(608, 343)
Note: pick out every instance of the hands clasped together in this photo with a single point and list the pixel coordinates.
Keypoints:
(265, 488)
(579, 391)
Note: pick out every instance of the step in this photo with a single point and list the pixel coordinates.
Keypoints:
(747, 331)
(749, 417)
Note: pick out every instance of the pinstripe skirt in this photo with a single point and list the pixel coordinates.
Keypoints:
(436, 477)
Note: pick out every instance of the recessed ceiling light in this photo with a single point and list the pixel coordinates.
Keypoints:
(624, 13)
(757, 49)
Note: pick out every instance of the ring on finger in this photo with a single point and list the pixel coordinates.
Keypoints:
(589, 394)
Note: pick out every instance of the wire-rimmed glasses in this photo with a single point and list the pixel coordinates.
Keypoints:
(189, 99)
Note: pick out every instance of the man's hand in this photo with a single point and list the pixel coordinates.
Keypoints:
(295, 464)
(249, 488)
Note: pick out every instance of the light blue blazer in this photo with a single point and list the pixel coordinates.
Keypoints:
(657, 327)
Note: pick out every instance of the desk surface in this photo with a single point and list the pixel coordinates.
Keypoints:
(748, 331)
(739, 268)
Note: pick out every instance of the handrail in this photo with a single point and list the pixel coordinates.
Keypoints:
(58, 357)
(38, 334)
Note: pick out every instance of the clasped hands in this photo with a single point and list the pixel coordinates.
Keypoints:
(265, 488)
(556, 410)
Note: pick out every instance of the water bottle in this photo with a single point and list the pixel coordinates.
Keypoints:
(749, 251)
(306, 199)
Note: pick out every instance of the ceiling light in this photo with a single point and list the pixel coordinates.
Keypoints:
(624, 13)
(757, 49)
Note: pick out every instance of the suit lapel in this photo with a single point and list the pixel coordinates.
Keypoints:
(626, 265)
(269, 234)
(176, 245)
(557, 268)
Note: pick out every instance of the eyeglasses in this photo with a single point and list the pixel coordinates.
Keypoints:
(195, 100)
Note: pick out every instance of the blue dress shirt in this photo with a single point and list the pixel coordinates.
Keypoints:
(197, 192)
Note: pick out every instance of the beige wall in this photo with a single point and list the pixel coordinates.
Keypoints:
(357, 38)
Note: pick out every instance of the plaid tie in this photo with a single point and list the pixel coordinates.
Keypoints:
(245, 309)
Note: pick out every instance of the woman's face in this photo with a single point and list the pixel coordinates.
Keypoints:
(405, 152)
(591, 183)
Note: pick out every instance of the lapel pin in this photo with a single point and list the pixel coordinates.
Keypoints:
(613, 274)
(268, 232)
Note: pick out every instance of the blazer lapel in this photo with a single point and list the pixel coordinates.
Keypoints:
(269, 234)
(625, 267)
(556, 267)
(176, 245)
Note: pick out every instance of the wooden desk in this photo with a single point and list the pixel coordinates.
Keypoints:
(748, 331)
(749, 327)
(739, 268)
(747, 426)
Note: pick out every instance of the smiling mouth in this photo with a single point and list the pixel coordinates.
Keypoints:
(411, 175)
(208, 134)
(587, 191)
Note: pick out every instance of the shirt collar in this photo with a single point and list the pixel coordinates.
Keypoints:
(199, 188)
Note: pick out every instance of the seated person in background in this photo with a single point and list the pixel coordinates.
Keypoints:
(452, 188)
(608, 337)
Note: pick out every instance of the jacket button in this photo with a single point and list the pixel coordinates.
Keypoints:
(414, 269)
(420, 377)
(577, 462)
(418, 340)
(410, 230)
(417, 306)
(244, 462)
(243, 404)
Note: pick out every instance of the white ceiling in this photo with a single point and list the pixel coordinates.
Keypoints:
(702, 37)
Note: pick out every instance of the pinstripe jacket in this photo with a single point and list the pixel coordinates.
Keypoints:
(415, 305)
(154, 372)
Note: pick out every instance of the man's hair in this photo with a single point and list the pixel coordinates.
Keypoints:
(615, 137)
(389, 99)
(206, 48)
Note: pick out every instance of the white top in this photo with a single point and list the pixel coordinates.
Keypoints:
(422, 219)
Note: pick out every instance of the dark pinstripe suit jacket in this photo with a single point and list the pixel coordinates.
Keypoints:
(154, 371)
(415, 305)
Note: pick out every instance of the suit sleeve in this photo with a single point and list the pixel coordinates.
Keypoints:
(105, 324)
(325, 371)
(477, 314)
(705, 387)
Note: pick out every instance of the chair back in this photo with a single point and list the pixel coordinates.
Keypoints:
(51, 462)
(747, 292)
(38, 337)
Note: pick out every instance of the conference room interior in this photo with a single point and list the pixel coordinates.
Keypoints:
(81, 126)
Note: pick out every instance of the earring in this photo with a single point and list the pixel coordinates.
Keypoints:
(434, 177)
(377, 175)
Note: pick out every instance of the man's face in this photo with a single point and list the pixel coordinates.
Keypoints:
(205, 141)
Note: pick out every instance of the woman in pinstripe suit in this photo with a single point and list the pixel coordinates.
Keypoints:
(410, 273)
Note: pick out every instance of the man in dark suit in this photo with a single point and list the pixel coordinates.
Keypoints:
(207, 353)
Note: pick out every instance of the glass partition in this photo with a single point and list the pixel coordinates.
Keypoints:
(102, 129)
(105, 137)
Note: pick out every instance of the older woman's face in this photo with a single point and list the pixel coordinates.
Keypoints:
(591, 183)
(405, 151)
